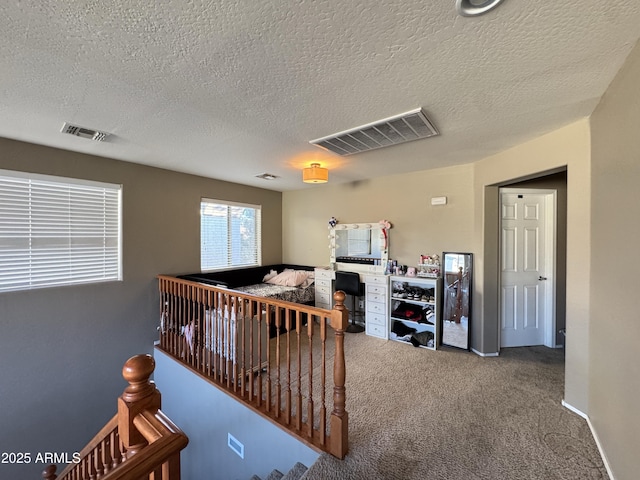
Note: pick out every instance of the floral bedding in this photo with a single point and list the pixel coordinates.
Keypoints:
(280, 292)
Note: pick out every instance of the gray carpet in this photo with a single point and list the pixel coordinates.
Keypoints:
(449, 414)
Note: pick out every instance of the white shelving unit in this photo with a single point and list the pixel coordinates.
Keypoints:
(414, 310)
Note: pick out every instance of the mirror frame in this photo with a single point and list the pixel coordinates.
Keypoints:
(455, 303)
(384, 251)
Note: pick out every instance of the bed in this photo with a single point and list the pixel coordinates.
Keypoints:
(296, 281)
(305, 295)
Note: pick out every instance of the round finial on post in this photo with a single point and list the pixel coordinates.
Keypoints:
(49, 473)
(338, 298)
(137, 371)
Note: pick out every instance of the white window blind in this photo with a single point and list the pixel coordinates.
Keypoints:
(57, 231)
(230, 235)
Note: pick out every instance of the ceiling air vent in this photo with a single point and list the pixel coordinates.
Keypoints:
(402, 128)
(267, 176)
(84, 132)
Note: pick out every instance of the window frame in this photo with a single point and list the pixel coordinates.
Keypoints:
(257, 240)
(49, 219)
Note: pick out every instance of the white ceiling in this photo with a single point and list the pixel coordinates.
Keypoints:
(232, 89)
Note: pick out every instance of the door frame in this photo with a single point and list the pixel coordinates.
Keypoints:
(551, 219)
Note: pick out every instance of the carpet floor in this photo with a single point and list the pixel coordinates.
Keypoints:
(450, 414)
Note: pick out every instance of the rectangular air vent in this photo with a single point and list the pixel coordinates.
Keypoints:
(235, 445)
(84, 132)
(402, 128)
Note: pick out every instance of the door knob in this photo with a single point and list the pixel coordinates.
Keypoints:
(542, 278)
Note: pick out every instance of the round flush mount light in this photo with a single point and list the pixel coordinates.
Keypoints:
(314, 173)
(473, 8)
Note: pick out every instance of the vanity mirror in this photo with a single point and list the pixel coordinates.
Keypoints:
(359, 244)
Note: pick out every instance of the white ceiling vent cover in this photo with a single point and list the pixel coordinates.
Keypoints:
(402, 128)
(84, 132)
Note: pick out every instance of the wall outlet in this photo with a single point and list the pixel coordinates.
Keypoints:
(361, 304)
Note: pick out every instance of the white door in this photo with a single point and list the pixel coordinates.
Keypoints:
(527, 258)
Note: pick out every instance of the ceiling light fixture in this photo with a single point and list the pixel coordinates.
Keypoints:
(473, 8)
(314, 173)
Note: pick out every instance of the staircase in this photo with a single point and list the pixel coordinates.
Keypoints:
(297, 472)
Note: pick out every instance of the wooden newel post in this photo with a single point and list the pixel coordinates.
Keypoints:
(141, 394)
(49, 473)
(339, 434)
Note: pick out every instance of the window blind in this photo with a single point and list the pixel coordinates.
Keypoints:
(230, 235)
(57, 231)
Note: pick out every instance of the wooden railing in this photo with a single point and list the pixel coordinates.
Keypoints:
(139, 442)
(270, 354)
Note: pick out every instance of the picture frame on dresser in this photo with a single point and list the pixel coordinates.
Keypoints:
(457, 277)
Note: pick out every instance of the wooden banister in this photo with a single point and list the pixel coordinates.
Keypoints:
(339, 416)
(138, 442)
(49, 473)
(224, 336)
(141, 394)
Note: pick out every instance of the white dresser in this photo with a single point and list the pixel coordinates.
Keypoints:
(376, 299)
(324, 288)
(376, 291)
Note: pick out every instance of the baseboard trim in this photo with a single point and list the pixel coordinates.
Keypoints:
(575, 410)
(492, 354)
(595, 437)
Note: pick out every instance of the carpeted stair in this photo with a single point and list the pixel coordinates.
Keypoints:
(297, 472)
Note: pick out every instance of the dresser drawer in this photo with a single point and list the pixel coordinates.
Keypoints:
(323, 290)
(323, 282)
(376, 297)
(323, 274)
(322, 304)
(376, 289)
(376, 319)
(375, 279)
(375, 307)
(376, 330)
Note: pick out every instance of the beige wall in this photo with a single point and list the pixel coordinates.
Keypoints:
(404, 200)
(614, 361)
(62, 349)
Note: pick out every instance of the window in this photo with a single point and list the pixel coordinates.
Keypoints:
(57, 231)
(359, 242)
(230, 235)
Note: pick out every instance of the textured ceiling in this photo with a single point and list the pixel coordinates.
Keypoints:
(232, 89)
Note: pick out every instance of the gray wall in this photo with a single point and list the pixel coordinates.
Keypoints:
(209, 414)
(62, 349)
(614, 363)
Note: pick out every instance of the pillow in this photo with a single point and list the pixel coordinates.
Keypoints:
(311, 277)
(289, 278)
(269, 275)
